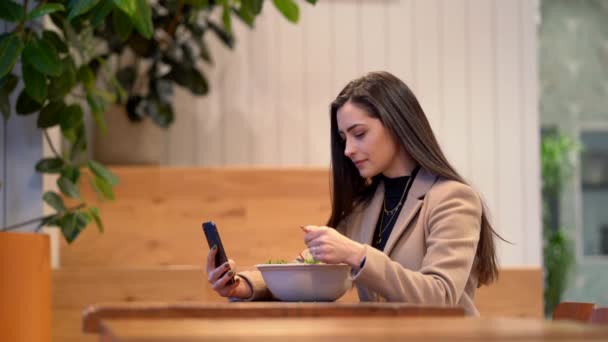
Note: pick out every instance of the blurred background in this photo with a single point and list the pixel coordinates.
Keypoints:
(514, 90)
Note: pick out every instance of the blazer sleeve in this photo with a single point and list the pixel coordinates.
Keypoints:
(256, 281)
(452, 233)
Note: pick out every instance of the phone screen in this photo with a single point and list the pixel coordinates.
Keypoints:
(213, 239)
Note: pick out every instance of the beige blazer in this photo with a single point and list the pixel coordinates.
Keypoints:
(430, 253)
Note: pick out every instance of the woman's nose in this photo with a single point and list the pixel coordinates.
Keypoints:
(349, 150)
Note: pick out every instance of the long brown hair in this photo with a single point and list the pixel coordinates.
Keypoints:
(388, 99)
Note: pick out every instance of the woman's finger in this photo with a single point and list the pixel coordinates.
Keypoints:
(220, 283)
(211, 259)
(216, 273)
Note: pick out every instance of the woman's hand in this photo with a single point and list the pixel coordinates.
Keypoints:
(239, 289)
(329, 246)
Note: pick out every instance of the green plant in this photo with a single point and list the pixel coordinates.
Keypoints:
(76, 67)
(558, 255)
(171, 55)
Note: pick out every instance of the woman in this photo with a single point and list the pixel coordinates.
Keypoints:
(405, 221)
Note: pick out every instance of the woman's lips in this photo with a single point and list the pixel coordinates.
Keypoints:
(358, 163)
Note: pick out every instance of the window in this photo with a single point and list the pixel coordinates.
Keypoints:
(594, 191)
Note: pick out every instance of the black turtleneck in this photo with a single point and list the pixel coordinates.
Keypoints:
(393, 190)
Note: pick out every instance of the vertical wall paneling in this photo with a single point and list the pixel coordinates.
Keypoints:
(346, 57)
(399, 40)
(373, 27)
(263, 62)
(427, 52)
(530, 127)
(508, 128)
(236, 100)
(482, 97)
(206, 110)
(179, 146)
(292, 123)
(472, 64)
(318, 92)
(455, 114)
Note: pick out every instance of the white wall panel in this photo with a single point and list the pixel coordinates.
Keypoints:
(509, 172)
(318, 90)
(472, 64)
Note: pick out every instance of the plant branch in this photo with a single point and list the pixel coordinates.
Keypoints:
(48, 140)
(34, 220)
(173, 24)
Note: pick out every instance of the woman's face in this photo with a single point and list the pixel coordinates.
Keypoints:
(369, 145)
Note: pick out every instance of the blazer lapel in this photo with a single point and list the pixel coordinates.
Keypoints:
(422, 183)
(370, 216)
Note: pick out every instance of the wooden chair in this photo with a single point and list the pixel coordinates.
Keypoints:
(573, 311)
(600, 316)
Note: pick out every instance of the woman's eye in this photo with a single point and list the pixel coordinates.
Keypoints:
(359, 135)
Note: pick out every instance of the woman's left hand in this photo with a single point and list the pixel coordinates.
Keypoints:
(329, 246)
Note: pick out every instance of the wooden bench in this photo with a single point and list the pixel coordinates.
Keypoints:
(153, 248)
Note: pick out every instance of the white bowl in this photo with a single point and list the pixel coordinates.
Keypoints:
(305, 282)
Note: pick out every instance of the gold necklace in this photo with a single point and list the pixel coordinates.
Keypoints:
(392, 211)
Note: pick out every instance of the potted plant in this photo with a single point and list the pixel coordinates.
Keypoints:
(60, 74)
(558, 252)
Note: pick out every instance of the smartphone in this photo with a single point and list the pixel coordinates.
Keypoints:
(213, 239)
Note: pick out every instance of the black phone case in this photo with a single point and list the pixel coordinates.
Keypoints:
(213, 239)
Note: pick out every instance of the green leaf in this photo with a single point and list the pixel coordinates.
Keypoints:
(77, 137)
(60, 86)
(98, 108)
(226, 18)
(94, 212)
(204, 51)
(7, 85)
(71, 117)
(50, 221)
(246, 15)
(140, 13)
(100, 12)
(122, 24)
(55, 40)
(71, 172)
(26, 105)
(50, 165)
(35, 82)
(289, 9)
(102, 172)
(10, 11)
(189, 78)
(68, 187)
(224, 36)
(143, 19)
(78, 7)
(86, 76)
(313, 2)
(50, 114)
(103, 188)
(255, 6)
(72, 224)
(44, 9)
(160, 112)
(11, 46)
(127, 6)
(54, 200)
(42, 56)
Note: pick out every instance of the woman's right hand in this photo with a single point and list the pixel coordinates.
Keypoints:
(239, 289)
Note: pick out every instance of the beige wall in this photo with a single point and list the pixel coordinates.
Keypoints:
(472, 63)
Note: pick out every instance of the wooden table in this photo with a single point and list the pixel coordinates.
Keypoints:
(94, 315)
(427, 329)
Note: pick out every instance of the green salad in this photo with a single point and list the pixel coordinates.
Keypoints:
(308, 260)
